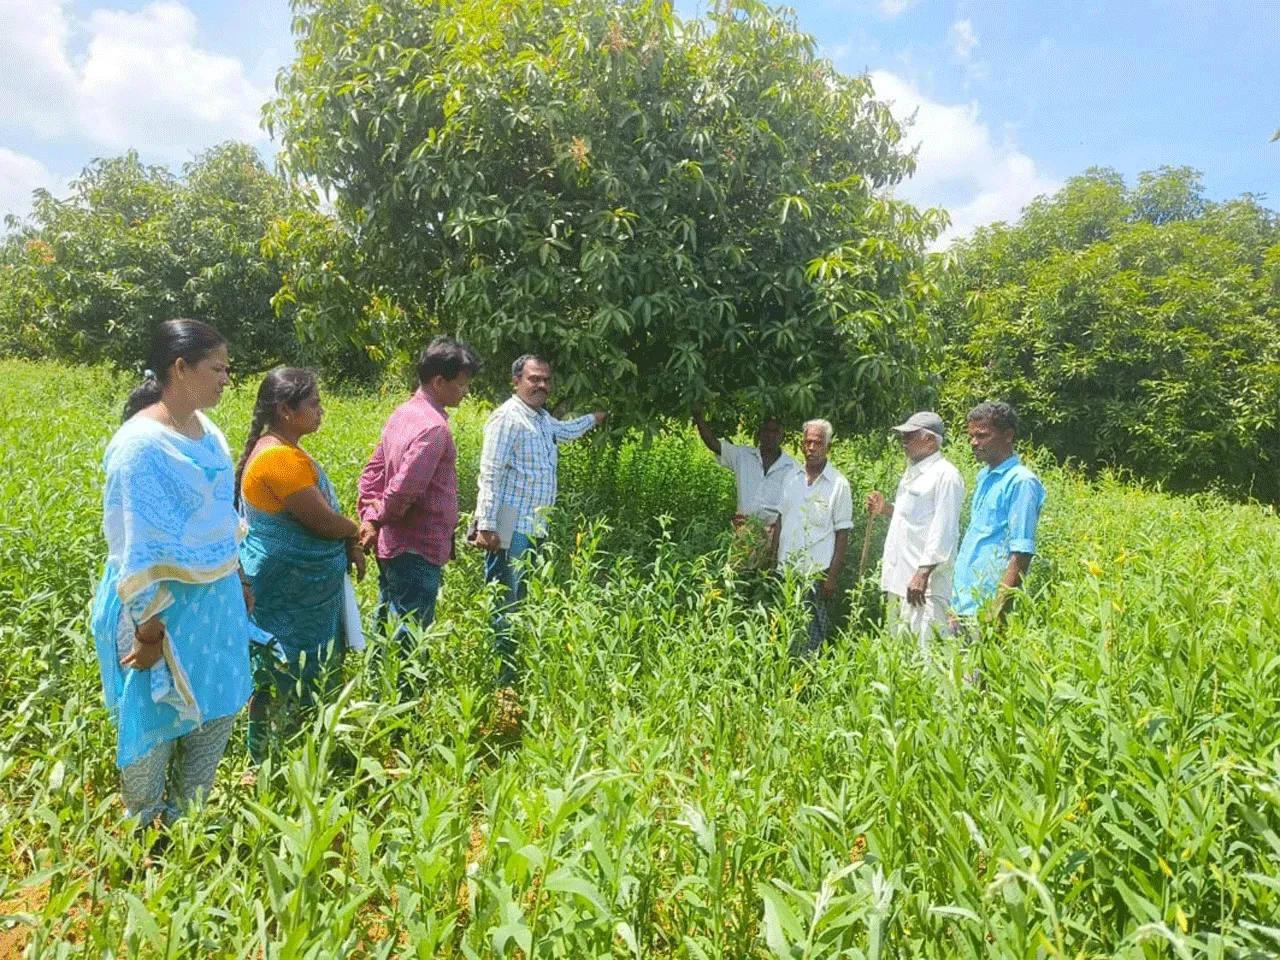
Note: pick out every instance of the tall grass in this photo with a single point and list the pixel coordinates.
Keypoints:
(680, 788)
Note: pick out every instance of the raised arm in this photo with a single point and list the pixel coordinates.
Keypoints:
(563, 431)
(709, 438)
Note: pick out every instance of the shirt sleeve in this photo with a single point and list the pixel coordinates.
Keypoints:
(495, 455)
(1024, 515)
(730, 454)
(943, 534)
(565, 430)
(372, 481)
(842, 507)
(410, 481)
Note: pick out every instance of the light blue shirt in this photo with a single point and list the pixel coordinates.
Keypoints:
(1006, 508)
(518, 464)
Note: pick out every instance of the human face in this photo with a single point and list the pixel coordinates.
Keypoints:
(450, 393)
(918, 444)
(769, 435)
(533, 386)
(990, 446)
(307, 416)
(815, 448)
(203, 382)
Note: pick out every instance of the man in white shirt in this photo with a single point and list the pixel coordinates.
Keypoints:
(920, 550)
(760, 471)
(815, 509)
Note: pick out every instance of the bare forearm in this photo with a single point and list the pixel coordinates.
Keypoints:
(708, 437)
(837, 556)
(1014, 573)
(335, 527)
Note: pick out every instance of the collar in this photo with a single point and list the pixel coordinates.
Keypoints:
(921, 465)
(828, 473)
(527, 410)
(432, 402)
(1009, 464)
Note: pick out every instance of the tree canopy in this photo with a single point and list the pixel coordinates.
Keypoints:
(87, 277)
(1136, 327)
(673, 211)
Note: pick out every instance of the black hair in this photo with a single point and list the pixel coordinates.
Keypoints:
(189, 340)
(447, 357)
(997, 413)
(517, 368)
(288, 386)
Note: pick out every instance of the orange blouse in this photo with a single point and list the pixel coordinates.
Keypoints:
(274, 475)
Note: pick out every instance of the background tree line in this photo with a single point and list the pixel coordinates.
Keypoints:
(677, 213)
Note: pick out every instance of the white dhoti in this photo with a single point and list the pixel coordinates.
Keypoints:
(926, 623)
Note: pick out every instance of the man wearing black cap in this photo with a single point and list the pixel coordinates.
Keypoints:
(920, 550)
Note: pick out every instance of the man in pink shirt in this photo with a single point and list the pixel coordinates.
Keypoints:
(409, 489)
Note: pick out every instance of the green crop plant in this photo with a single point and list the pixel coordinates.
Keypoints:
(678, 787)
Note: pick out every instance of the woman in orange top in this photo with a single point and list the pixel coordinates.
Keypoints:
(296, 554)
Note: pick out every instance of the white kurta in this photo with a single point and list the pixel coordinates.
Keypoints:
(925, 528)
(811, 513)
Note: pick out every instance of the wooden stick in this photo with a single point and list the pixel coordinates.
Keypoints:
(866, 545)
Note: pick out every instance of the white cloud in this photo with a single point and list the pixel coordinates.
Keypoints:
(145, 84)
(19, 176)
(893, 8)
(142, 80)
(963, 38)
(961, 166)
(37, 84)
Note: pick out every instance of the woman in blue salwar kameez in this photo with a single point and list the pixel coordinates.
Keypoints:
(170, 617)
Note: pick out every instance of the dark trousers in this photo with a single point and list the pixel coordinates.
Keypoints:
(509, 568)
(407, 589)
(815, 636)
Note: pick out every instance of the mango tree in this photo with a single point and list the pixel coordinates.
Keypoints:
(676, 212)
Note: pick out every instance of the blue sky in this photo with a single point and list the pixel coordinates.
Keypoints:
(1010, 98)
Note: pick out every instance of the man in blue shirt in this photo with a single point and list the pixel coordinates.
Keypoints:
(998, 545)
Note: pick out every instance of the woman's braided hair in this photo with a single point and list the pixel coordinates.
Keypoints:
(289, 386)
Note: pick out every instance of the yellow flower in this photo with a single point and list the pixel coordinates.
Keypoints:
(1094, 569)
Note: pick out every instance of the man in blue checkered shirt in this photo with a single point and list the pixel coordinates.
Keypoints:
(518, 485)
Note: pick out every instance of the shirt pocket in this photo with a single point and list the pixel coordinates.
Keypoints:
(916, 502)
(817, 514)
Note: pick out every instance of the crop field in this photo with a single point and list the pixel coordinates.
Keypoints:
(677, 787)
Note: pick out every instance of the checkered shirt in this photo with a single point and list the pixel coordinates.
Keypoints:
(409, 488)
(518, 464)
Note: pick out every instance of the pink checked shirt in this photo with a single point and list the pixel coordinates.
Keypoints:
(409, 488)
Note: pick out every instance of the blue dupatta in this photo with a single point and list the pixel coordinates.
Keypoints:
(172, 532)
